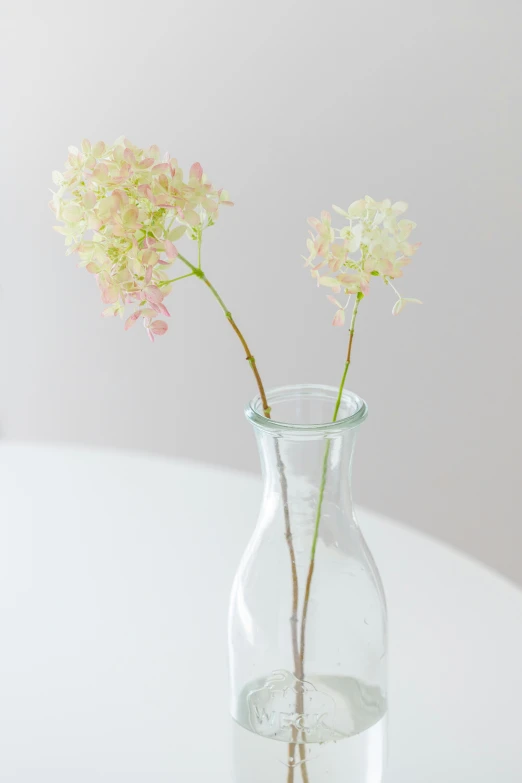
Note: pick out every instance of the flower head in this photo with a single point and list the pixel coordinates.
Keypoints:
(122, 209)
(374, 243)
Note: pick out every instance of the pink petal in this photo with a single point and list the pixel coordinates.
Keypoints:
(158, 327)
(148, 274)
(131, 320)
(146, 191)
(110, 294)
(196, 171)
(150, 257)
(160, 167)
(153, 294)
(163, 310)
(170, 249)
(339, 318)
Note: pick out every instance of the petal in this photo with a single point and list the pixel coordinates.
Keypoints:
(192, 217)
(98, 149)
(158, 327)
(329, 282)
(177, 233)
(170, 249)
(196, 171)
(334, 301)
(339, 318)
(72, 213)
(153, 294)
(163, 310)
(357, 208)
(131, 320)
(159, 167)
(110, 294)
(89, 199)
(399, 207)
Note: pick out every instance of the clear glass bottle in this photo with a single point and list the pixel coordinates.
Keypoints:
(307, 627)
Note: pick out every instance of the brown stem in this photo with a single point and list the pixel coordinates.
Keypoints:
(198, 272)
(298, 671)
(250, 359)
(288, 536)
(293, 565)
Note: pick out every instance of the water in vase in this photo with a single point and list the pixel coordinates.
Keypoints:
(327, 729)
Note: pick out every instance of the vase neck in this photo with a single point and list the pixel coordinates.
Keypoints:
(304, 455)
(303, 463)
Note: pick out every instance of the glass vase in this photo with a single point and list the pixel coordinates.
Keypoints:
(307, 625)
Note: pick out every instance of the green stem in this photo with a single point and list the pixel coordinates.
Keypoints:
(250, 359)
(322, 487)
(181, 277)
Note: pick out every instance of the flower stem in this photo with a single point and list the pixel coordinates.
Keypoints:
(322, 487)
(249, 357)
(174, 279)
(280, 465)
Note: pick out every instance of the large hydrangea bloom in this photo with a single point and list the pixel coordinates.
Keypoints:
(122, 210)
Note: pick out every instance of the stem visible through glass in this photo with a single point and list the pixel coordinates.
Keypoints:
(324, 476)
(198, 272)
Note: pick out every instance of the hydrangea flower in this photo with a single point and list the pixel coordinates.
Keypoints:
(122, 209)
(375, 243)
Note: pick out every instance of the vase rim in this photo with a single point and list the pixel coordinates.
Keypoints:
(350, 400)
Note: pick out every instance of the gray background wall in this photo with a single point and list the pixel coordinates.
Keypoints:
(291, 106)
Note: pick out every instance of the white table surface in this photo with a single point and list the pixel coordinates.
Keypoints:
(114, 578)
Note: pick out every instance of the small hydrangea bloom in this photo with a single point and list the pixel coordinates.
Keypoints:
(374, 243)
(122, 209)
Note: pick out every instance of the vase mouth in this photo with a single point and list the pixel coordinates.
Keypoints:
(308, 396)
